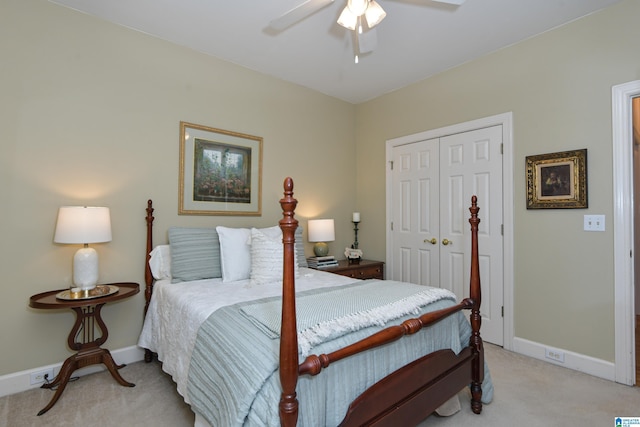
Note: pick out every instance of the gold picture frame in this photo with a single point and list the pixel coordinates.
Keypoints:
(557, 180)
(220, 172)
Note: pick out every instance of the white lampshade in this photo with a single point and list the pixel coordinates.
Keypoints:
(321, 231)
(83, 225)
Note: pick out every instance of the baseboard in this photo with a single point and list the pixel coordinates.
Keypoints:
(21, 381)
(576, 361)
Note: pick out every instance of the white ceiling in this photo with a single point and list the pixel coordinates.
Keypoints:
(417, 39)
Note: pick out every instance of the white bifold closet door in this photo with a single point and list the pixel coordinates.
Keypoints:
(432, 185)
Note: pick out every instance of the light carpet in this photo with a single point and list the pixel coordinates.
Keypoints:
(528, 392)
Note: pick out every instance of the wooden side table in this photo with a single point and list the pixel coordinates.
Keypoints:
(82, 336)
(365, 269)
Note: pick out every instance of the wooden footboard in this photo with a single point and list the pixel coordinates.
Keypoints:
(409, 394)
(425, 383)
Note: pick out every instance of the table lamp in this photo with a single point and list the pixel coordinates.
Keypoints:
(83, 225)
(321, 231)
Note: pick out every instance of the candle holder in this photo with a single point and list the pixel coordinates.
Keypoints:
(353, 254)
(355, 229)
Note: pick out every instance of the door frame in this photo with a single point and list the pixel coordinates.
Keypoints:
(623, 268)
(506, 121)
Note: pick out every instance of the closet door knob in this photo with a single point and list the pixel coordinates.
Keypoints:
(447, 242)
(432, 241)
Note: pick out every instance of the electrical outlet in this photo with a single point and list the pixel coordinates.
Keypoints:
(555, 355)
(39, 377)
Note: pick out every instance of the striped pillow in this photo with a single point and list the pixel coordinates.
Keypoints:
(195, 254)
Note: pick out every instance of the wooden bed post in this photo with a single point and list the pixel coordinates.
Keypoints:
(475, 342)
(148, 277)
(288, 327)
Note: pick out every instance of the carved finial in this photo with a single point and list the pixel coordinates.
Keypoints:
(474, 209)
(288, 204)
(288, 184)
(149, 211)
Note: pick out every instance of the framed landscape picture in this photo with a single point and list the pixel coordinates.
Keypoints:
(557, 180)
(220, 172)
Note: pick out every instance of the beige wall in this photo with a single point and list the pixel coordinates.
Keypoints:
(558, 86)
(90, 113)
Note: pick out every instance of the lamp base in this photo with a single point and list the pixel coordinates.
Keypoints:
(85, 268)
(321, 249)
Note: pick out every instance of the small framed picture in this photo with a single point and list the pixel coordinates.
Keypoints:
(557, 180)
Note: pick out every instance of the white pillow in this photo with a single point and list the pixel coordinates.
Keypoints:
(274, 232)
(235, 250)
(235, 253)
(266, 255)
(160, 262)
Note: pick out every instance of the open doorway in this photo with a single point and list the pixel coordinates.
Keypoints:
(635, 111)
(623, 231)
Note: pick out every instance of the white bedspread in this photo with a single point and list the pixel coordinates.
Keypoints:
(171, 332)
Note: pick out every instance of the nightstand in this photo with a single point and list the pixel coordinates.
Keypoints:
(82, 336)
(365, 269)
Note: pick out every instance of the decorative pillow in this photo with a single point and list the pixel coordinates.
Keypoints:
(235, 253)
(276, 232)
(302, 260)
(266, 256)
(299, 246)
(195, 254)
(160, 262)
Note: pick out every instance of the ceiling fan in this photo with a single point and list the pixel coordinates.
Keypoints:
(354, 14)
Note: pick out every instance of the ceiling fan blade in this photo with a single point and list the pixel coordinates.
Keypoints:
(367, 40)
(298, 13)
(456, 2)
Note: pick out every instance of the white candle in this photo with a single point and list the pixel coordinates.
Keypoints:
(356, 217)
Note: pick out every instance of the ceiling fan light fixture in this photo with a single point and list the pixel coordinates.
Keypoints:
(357, 7)
(347, 19)
(374, 14)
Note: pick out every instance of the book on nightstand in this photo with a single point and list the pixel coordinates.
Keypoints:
(322, 262)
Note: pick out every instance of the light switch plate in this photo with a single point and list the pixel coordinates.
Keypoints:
(594, 223)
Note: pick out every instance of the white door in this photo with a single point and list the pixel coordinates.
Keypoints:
(415, 211)
(432, 185)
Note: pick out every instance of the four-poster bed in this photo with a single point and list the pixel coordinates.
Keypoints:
(407, 371)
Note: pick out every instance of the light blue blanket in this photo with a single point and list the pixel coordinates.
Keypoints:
(233, 376)
(322, 316)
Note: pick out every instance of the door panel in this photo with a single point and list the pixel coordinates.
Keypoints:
(415, 182)
(475, 166)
